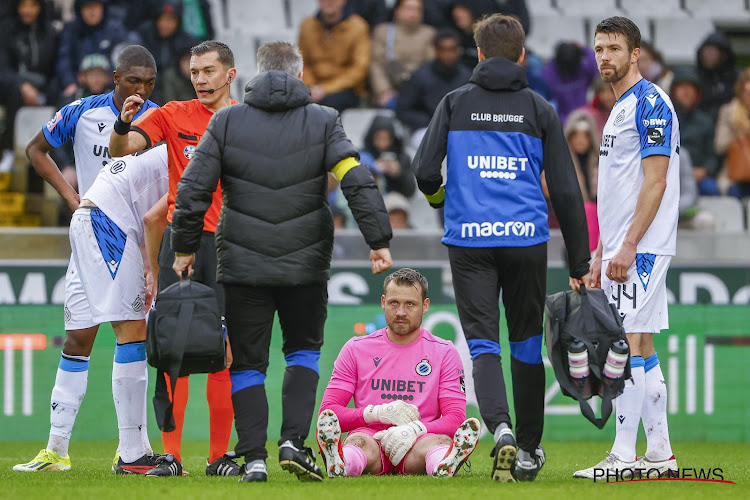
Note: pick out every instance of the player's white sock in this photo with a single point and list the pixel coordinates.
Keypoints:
(628, 412)
(144, 417)
(129, 384)
(654, 416)
(70, 388)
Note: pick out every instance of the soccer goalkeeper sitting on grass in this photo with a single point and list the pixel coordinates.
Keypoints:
(409, 397)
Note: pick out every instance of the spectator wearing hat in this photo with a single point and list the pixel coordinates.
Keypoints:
(569, 75)
(165, 38)
(176, 81)
(27, 58)
(94, 76)
(384, 152)
(696, 130)
(717, 72)
(398, 208)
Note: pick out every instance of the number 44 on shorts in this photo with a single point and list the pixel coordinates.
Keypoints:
(622, 292)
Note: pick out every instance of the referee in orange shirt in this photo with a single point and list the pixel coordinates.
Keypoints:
(181, 124)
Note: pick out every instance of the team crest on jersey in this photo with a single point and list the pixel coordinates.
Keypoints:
(54, 121)
(423, 368)
(462, 381)
(117, 167)
(620, 117)
(189, 151)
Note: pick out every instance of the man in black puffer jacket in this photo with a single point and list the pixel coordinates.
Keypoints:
(274, 241)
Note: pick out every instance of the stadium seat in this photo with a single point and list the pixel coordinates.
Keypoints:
(300, 9)
(29, 121)
(357, 121)
(726, 11)
(727, 212)
(678, 39)
(254, 16)
(538, 8)
(586, 8)
(549, 30)
(244, 50)
(668, 9)
(219, 18)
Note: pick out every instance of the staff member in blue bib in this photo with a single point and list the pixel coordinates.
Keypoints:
(499, 136)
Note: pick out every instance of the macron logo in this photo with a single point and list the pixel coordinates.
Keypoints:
(651, 99)
(485, 229)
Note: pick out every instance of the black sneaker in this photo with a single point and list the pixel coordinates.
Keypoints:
(526, 470)
(505, 455)
(254, 472)
(223, 466)
(140, 466)
(299, 461)
(166, 465)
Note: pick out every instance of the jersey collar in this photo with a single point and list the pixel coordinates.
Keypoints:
(632, 90)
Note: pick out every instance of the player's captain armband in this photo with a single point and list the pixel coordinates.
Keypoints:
(342, 167)
(436, 200)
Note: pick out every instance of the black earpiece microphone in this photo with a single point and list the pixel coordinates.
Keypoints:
(211, 91)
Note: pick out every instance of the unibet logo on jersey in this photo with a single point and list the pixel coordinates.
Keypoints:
(493, 191)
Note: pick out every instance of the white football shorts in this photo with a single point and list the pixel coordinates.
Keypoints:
(105, 276)
(642, 300)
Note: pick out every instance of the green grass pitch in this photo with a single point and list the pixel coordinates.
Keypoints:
(91, 478)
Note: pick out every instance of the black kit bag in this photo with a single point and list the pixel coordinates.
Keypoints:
(185, 336)
(590, 318)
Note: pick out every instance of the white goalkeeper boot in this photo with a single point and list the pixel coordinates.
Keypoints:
(329, 441)
(464, 442)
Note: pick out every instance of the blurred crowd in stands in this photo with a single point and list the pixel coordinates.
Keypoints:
(399, 56)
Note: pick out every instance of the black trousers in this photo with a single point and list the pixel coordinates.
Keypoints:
(250, 312)
(204, 269)
(479, 275)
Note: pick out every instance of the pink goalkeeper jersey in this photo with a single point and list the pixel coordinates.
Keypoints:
(377, 371)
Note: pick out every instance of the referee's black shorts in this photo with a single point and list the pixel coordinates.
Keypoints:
(204, 269)
(479, 274)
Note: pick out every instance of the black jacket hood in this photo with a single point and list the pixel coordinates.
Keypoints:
(719, 40)
(382, 123)
(276, 91)
(498, 73)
